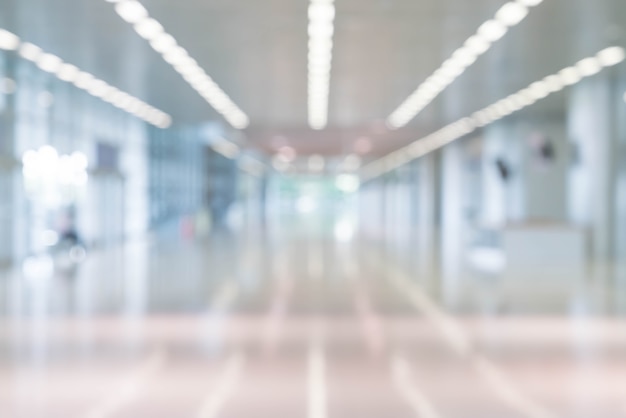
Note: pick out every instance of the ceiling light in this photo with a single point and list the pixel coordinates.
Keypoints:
(526, 97)
(148, 28)
(177, 55)
(85, 81)
(98, 88)
(49, 63)
(511, 14)
(320, 30)
(131, 11)
(589, 67)
(321, 11)
(8, 41)
(538, 90)
(30, 52)
(67, 72)
(611, 56)
(163, 43)
(530, 3)
(492, 30)
(477, 44)
(464, 57)
(553, 83)
(570, 76)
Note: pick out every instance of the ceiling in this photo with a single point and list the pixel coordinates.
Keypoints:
(383, 49)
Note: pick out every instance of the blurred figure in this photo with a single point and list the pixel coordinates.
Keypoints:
(71, 249)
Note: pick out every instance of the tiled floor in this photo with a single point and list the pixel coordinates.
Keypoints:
(290, 327)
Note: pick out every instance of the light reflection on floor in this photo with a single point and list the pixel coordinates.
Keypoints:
(289, 327)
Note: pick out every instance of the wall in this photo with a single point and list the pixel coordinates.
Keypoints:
(45, 111)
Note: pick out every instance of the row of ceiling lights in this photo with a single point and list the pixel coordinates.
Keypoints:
(320, 30)
(83, 80)
(509, 15)
(148, 28)
(526, 97)
(285, 158)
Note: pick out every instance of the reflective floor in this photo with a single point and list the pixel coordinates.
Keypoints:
(289, 323)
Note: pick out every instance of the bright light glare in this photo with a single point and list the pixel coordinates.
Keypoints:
(150, 29)
(321, 30)
(67, 72)
(30, 51)
(49, 238)
(492, 30)
(347, 183)
(83, 80)
(511, 14)
(611, 56)
(8, 41)
(306, 204)
(513, 103)
(131, 11)
(344, 231)
(49, 63)
(531, 3)
(589, 66)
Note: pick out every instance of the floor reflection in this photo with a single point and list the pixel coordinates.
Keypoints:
(292, 324)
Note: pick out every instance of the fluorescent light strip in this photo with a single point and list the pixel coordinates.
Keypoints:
(524, 98)
(165, 44)
(321, 29)
(509, 15)
(71, 74)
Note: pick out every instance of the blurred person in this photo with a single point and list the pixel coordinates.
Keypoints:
(71, 249)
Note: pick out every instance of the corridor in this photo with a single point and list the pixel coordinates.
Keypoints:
(312, 209)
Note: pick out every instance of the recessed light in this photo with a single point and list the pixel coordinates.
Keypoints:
(553, 83)
(30, 51)
(131, 11)
(489, 32)
(570, 76)
(515, 102)
(164, 43)
(530, 3)
(478, 44)
(8, 40)
(492, 30)
(49, 63)
(67, 72)
(611, 56)
(589, 67)
(83, 80)
(148, 28)
(511, 14)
